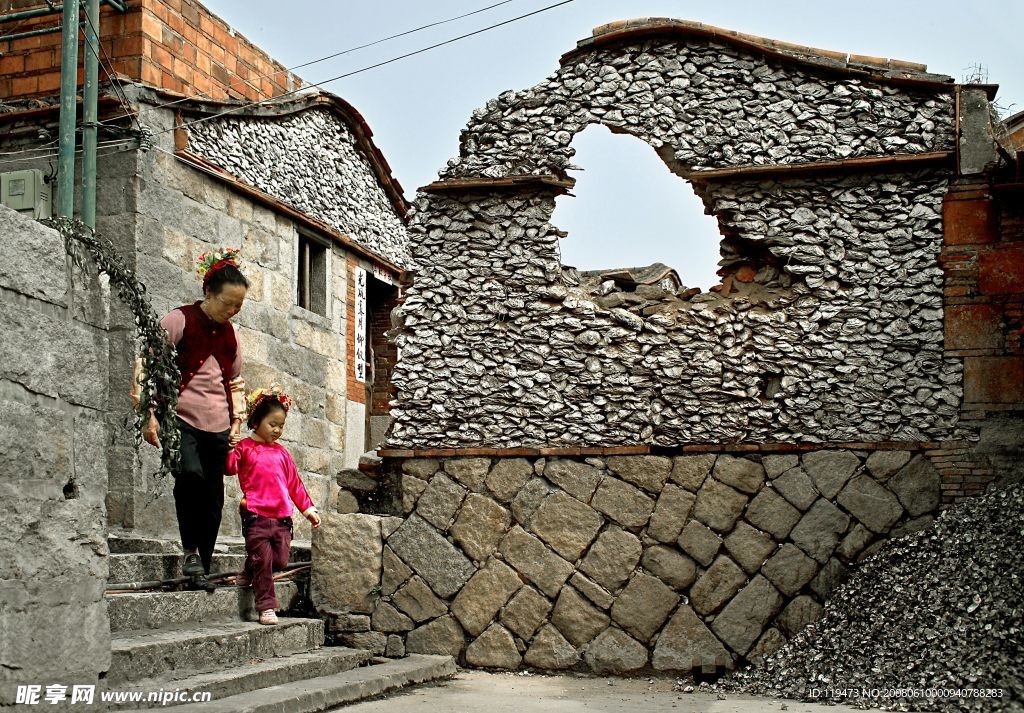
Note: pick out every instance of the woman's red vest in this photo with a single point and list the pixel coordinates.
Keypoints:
(202, 338)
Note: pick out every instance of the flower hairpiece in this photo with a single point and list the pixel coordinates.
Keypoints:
(212, 260)
(274, 391)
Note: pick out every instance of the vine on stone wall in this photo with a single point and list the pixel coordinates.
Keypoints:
(159, 391)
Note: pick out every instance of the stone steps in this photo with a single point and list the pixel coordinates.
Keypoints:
(325, 692)
(256, 675)
(149, 567)
(129, 543)
(153, 610)
(195, 648)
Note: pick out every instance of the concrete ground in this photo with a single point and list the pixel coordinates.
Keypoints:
(480, 692)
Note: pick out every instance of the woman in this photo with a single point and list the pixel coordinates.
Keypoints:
(211, 404)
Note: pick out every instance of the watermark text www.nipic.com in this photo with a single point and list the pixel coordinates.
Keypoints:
(88, 695)
(868, 693)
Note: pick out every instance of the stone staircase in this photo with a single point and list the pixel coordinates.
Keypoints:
(177, 643)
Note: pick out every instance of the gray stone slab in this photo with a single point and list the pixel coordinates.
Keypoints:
(612, 558)
(578, 479)
(741, 622)
(324, 692)
(576, 618)
(699, 542)
(622, 502)
(484, 595)
(529, 556)
(875, 507)
(830, 470)
(686, 644)
(789, 569)
(918, 486)
(796, 487)
(718, 505)
(671, 513)
(431, 556)
(741, 473)
(819, 530)
(566, 524)
(642, 607)
(152, 610)
(647, 472)
(138, 655)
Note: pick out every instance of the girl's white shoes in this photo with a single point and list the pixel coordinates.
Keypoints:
(268, 617)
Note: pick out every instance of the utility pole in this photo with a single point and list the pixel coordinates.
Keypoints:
(68, 110)
(90, 93)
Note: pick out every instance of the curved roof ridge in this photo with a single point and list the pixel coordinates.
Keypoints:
(304, 101)
(879, 68)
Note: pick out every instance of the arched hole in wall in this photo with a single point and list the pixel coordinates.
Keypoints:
(630, 210)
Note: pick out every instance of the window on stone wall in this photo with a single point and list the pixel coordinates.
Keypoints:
(630, 210)
(311, 279)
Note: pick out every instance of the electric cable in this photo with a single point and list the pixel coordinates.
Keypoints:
(227, 85)
(242, 107)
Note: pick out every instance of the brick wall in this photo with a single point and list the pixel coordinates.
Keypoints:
(177, 45)
(983, 258)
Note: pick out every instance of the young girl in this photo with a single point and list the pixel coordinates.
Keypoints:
(270, 484)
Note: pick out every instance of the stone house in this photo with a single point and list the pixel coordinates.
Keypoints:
(208, 141)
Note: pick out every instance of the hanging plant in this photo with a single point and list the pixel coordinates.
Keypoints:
(159, 389)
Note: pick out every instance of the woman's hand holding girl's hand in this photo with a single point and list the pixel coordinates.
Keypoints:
(235, 435)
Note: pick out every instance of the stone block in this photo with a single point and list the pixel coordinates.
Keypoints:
(495, 648)
(674, 569)
(614, 652)
(796, 487)
(421, 468)
(347, 562)
(395, 648)
(527, 610)
(857, 539)
(372, 641)
(566, 524)
(418, 601)
(533, 560)
(699, 542)
(32, 261)
(771, 513)
(577, 620)
(774, 466)
(432, 557)
(690, 471)
(412, 489)
(642, 607)
(507, 476)
(875, 507)
(441, 636)
(578, 479)
(749, 547)
(528, 499)
(882, 464)
(799, 613)
(592, 590)
(440, 501)
(469, 471)
(524, 612)
(741, 473)
(830, 470)
(394, 573)
(647, 472)
(819, 530)
(388, 619)
(771, 641)
(484, 596)
(686, 643)
(718, 506)
(831, 576)
(480, 526)
(670, 514)
(741, 622)
(551, 651)
(623, 503)
(716, 586)
(918, 486)
(790, 569)
(612, 558)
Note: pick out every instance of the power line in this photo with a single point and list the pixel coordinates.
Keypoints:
(228, 85)
(54, 154)
(320, 84)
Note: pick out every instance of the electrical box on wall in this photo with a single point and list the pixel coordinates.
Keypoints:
(26, 192)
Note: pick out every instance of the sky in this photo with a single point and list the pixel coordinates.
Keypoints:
(627, 209)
